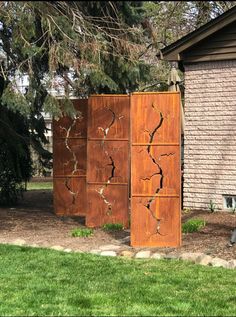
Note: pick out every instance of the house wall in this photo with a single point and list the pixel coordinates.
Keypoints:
(210, 133)
(219, 46)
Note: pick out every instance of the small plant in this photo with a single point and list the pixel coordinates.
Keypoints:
(81, 232)
(233, 210)
(113, 226)
(186, 210)
(212, 206)
(193, 225)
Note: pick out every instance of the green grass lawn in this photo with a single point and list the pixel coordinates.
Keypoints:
(46, 282)
(39, 185)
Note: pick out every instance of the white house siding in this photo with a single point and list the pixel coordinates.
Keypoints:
(210, 133)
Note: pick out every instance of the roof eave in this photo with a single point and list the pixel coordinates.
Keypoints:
(174, 50)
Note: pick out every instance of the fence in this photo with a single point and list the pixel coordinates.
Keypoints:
(155, 169)
(108, 155)
(94, 152)
(69, 162)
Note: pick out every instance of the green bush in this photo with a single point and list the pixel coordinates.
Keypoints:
(193, 225)
(113, 226)
(15, 158)
(212, 206)
(81, 232)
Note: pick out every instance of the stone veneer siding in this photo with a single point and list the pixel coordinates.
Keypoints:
(210, 133)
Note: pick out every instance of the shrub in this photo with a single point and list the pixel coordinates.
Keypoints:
(81, 232)
(212, 206)
(15, 158)
(113, 226)
(193, 225)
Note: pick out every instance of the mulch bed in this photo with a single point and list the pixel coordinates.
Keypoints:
(34, 221)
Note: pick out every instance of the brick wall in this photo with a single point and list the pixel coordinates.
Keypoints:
(210, 133)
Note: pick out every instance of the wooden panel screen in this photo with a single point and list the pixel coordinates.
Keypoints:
(69, 162)
(108, 160)
(155, 169)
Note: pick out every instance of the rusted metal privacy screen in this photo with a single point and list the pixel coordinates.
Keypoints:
(69, 162)
(155, 169)
(108, 160)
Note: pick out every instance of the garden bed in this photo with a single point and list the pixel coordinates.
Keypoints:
(33, 220)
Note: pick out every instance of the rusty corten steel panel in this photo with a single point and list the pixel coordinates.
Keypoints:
(108, 160)
(69, 157)
(69, 161)
(108, 203)
(108, 117)
(155, 226)
(76, 127)
(162, 107)
(70, 196)
(155, 170)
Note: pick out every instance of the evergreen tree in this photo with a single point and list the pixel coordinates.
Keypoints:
(98, 42)
(15, 160)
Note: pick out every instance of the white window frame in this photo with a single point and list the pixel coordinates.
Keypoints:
(233, 202)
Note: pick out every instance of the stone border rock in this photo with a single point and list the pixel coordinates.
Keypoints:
(116, 250)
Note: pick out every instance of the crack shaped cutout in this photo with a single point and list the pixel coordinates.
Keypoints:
(74, 194)
(159, 172)
(101, 189)
(114, 117)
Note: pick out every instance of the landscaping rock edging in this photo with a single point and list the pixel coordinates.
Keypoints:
(197, 258)
(115, 250)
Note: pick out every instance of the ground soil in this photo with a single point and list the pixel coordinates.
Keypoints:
(33, 220)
